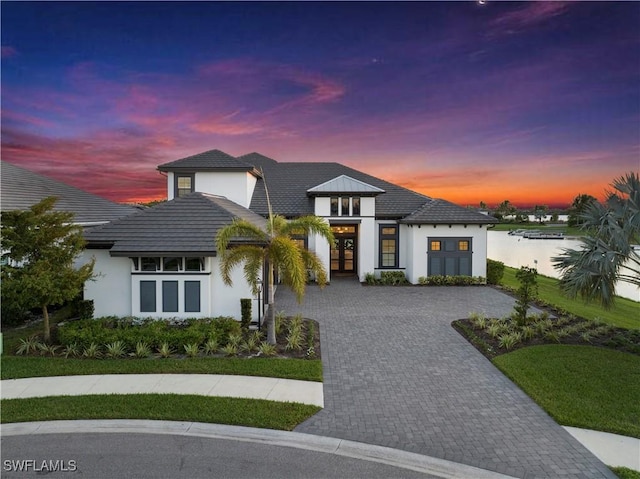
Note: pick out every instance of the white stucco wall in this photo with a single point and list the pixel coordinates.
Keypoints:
(116, 290)
(111, 289)
(235, 186)
(367, 247)
(418, 247)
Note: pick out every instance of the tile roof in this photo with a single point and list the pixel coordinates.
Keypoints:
(288, 184)
(22, 189)
(439, 211)
(207, 161)
(345, 184)
(187, 225)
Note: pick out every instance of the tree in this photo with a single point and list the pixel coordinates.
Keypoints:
(578, 207)
(607, 254)
(540, 211)
(526, 293)
(505, 209)
(278, 250)
(39, 248)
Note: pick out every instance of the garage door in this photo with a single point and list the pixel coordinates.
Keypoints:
(449, 256)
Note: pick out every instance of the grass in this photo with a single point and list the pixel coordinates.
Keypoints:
(14, 367)
(169, 407)
(581, 386)
(624, 314)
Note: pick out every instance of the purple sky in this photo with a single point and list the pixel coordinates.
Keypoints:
(531, 102)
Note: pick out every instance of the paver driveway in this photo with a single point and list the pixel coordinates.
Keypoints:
(397, 374)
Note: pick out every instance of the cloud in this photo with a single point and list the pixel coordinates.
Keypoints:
(530, 15)
(8, 51)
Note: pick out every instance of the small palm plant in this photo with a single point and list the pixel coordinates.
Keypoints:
(275, 247)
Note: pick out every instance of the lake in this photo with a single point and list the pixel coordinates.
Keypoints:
(516, 251)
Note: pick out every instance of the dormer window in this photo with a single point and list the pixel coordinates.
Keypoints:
(345, 206)
(185, 184)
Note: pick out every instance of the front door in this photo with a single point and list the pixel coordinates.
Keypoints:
(344, 252)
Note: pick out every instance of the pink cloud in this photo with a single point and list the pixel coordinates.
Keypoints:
(528, 16)
(8, 51)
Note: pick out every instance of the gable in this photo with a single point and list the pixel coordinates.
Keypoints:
(344, 184)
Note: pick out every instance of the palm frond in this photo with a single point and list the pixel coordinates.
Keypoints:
(248, 255)
(286, 254)
(239, 228)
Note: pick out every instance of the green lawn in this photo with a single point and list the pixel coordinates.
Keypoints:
(22, 367)
(167, 407)
(581, 386)
(624, 314)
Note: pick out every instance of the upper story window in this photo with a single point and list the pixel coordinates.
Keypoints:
(185, 184)
(345, 206)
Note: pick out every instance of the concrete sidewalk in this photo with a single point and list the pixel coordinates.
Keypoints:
(272, 389)
(612, 449)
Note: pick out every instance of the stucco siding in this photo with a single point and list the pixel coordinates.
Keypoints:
(110, 291)
(233, 185)
(420, 246)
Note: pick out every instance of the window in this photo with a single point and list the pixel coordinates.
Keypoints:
(192, 296)
(355, 206)
(171, 264)
(170, 296)
(334, 206)
(345, 207)
(435, 245)
(300, 240)
(388, 257)
(150, 264)
(168, 264)
(147, 296)
(194, 264)
(184, 185)
(463, 245)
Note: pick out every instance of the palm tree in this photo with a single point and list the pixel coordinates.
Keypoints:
(607, 252)
(276, 248)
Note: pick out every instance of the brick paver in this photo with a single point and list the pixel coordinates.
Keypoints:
(397, 374)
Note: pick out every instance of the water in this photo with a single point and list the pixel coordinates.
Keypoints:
(516, 251)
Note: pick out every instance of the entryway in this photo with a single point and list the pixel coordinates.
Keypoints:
(344, 252)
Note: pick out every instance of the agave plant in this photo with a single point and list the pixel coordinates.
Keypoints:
(28, 346)
(115, 350)
(165, 350)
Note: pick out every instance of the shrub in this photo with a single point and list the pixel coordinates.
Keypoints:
(165, 351)
(393, 278)
(28, 346)
(245, 314)
(370, 279)
(92, 351)
(508, 341)
(526, 293)
(451, 280)
(211, 346)
(117, 349)
(83, 308)
(230, 349)
(495, 271)
(192, 350)
(143, 350)
(267, 349)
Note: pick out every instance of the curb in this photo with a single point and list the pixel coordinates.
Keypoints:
(366, 452)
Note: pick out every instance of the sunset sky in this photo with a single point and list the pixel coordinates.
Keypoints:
(530, 102)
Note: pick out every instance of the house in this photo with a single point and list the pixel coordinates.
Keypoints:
(162, 262)
(21, 189)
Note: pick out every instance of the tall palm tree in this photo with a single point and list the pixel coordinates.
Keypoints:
(607, 253)
(276, 248)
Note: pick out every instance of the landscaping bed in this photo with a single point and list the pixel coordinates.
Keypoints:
(495, 336)
(138, 338)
